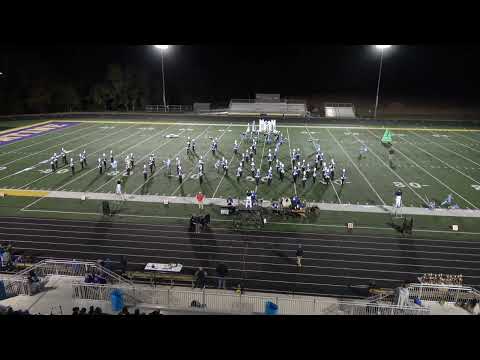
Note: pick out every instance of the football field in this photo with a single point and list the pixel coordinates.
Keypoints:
(42, 213)
(426, 164)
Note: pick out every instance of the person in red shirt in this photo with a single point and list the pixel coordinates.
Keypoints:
(200, 198)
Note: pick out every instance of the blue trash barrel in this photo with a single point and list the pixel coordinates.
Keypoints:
(117, 300)
(3, 292)
(271, 308)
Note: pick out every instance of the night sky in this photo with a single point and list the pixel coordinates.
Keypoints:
(221, 72)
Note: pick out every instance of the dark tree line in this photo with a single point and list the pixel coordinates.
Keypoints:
(36, 90)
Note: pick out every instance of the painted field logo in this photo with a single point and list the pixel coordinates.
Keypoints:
(18, 135)
(113, 173)
(169, 136)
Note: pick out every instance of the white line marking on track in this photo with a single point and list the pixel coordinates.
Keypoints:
(240, 254)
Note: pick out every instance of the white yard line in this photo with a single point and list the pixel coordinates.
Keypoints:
(331, 182)
(469, 138)
(394, 172)
(356, 167)
(291, 159)
(443, 162)
(447, 149)
(72, 153)
(94, 169)
(80, 147)
(221, 180)
(261, 161)
(428, 173)
(191, 171)
(55, 146)
(174, 156)
(43, 142)
(459, 143)
(143, 157)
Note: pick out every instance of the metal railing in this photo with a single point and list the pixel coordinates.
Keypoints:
(15, 286)
(169, 108)
(71, 268)
(233, 303)
(447, 293)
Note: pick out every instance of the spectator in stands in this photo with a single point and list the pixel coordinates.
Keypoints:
(137, 312)
(91, 310)
(200, 278)
(83, 311)
(6, 259)
(222, 271)
(75, 310)
(88, 278)
(98, 311)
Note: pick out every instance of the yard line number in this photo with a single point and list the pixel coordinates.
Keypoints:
(414, 185)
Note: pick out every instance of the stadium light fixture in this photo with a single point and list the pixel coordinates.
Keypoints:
(162, 48)
(381, 48)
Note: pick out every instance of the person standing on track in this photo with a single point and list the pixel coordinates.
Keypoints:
(118, 189)
(222, 271)
(299, 255)
(200, 198)
(145, 172)
(72, 166)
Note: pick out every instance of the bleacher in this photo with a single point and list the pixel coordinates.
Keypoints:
(340, 110)
(272, 107)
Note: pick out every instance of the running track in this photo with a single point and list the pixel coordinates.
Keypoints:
(265, 260)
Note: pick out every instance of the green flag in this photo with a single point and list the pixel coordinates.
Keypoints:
(387, 137)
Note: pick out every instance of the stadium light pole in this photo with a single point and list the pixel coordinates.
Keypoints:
(162, 48)
(381, 48)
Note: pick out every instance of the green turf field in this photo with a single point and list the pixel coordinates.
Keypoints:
(425, 163)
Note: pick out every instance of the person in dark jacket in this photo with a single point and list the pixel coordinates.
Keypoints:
(299, 255)
(200, 276)
(222, 271)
